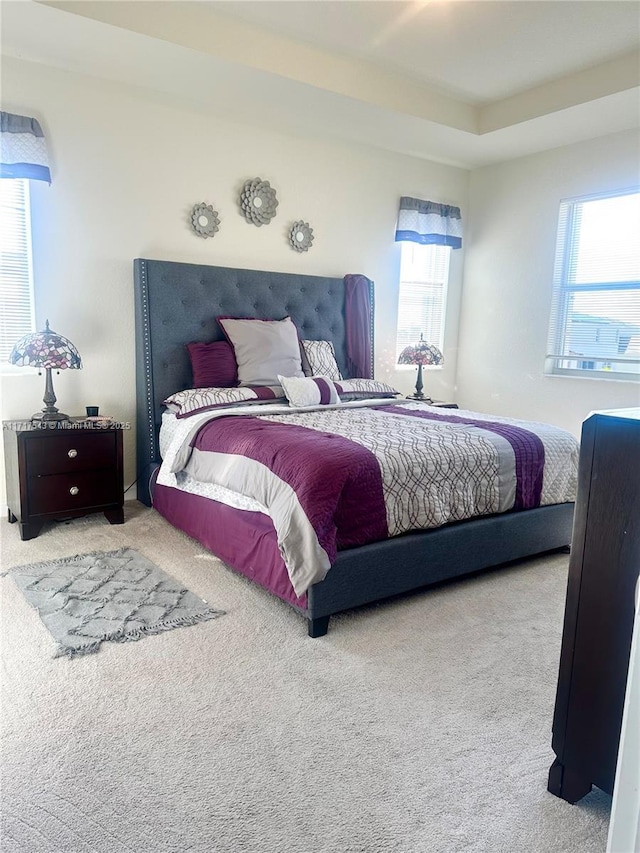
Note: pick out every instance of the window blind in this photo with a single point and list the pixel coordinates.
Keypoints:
(16, 282)
(424, 273)
(595, 314)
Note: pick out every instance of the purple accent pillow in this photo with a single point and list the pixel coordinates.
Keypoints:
(213, 365)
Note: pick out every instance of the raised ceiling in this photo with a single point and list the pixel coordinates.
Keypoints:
(476, 51)
(462, 82)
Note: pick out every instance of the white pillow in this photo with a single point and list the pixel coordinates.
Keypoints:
(263, 349)
(321, 357)
(309, 391)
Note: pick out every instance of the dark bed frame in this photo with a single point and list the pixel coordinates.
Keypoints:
(177, 303)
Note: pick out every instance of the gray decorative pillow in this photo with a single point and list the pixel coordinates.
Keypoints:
(192, 401)
(264, 349)
(363, 389)
(322, 359)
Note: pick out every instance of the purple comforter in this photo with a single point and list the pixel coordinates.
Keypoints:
(343, 476)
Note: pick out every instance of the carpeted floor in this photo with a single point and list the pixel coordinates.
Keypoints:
(419, 726)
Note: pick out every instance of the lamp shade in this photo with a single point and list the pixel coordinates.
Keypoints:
(421, 353)
(46, 349)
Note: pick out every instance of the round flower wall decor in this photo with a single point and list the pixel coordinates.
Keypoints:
(258, 202)
(301, 236)
(204, 220)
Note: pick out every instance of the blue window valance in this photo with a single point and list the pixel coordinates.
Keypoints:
(23, 148)
(428, 222)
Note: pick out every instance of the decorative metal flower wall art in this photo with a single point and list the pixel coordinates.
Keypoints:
(301, 236)
(258, 202)
(204, 220)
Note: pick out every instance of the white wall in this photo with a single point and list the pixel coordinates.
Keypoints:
(510, 244)
(127, 167)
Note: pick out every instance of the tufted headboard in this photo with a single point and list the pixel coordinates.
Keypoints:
(178, 303)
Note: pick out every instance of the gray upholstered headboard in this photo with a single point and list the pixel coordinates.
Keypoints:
(178, 303)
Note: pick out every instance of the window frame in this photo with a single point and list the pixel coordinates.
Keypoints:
(565, 251)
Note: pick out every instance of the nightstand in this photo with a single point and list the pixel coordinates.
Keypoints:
(441, 404)
(62, 470)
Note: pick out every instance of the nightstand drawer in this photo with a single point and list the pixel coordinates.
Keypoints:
(76, 490)
(70, 451)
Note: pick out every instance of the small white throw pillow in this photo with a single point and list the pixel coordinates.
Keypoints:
(309, 391)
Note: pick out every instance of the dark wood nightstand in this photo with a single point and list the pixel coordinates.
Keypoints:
(62, 470)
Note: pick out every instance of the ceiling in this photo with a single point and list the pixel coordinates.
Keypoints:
(467, 83)
(476, 51)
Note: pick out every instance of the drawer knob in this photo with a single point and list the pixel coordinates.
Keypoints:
(72, 453)
(74, 490)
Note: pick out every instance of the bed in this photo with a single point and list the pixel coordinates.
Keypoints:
(178, 303)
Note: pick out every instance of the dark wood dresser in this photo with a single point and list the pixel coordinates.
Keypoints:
(599, 613)
(62, 470)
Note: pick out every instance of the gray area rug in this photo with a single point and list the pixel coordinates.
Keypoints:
(116, 596)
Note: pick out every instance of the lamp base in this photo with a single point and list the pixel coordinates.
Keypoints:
(49, 417)
(49, 414)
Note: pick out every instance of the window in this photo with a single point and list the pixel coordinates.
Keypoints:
(595, 314)
(424, 272)
(16, 280)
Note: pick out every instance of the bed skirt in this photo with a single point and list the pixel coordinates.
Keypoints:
(247, 542)
(244, 540)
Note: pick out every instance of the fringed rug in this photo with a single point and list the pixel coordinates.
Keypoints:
(115, 596)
